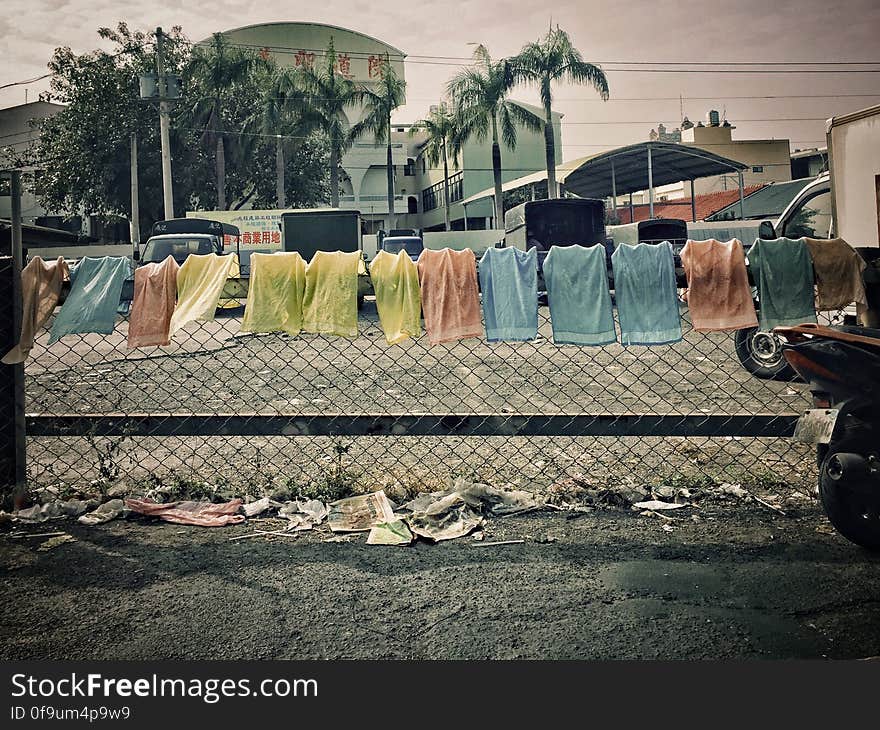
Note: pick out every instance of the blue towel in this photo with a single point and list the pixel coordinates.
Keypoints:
(782, 269)
(509, 281)
(577, 290)
(95, 288)
(647, 301)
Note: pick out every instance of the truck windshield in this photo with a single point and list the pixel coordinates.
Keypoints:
(413, 246)
(158, 249)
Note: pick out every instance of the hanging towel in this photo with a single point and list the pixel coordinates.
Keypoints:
(719, 296)
(450, 297)
(644, 286)
(95, 288)
(509, 281)
(40, 290)
(200, 283)
(783, 272)
(155, 292)
(838, 269)
(275, 293)
(395, 280)
(330, 299)
(577, 291)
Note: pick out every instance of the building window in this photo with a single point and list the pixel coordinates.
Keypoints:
(409, 169)
(432, 197)
(757, 168)
(423, 165)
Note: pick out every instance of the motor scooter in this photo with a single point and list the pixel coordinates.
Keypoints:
(841, 365)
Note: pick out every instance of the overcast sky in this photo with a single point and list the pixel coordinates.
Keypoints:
(605, 32)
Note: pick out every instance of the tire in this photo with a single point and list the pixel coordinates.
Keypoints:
(855, 514)
(360, 301)
(760, 353)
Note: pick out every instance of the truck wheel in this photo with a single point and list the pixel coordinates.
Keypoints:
(760, 353)
(852, 506)
(360, 301)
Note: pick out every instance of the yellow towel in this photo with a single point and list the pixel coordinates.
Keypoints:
(200, 283)
(330, 299)
(396, 283)
(275, 293)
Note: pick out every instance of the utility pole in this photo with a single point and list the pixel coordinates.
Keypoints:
(18, 404)
(135, 207)
(164, 124)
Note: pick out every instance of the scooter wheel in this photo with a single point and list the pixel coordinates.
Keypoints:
(852, 506)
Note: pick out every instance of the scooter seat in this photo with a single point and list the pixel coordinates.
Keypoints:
(844, 333)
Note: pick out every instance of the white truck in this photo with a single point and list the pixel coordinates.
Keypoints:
(843, 202)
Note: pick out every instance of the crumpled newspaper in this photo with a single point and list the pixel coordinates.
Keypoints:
(104, 513)
(457, 512)
(304, 515)
(361, 513)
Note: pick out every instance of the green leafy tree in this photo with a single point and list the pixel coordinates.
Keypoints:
(306, 173)
(330, 94)
(379, 103)
(440, 144)
(84, 149)
(219, 77)
(546, 62)
(483, 110)
(286, 117)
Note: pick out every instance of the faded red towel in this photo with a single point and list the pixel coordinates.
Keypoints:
(200, 514)
(450, 296)
(719, 296)
(155, 294)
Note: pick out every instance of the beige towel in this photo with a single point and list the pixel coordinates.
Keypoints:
(200, 283)
(838, 268)
(719, 296)
(40, 290)
(330, 298)
(450, 297)
(155, 293)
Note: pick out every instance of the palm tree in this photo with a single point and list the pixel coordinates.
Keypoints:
(379, 103)
(217, 70)
(442, 136)
(552, 59)
(479, 94)
(287, 116)
(329, 94)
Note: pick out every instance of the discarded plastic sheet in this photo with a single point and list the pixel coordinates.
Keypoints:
(359, 514)
(390, 533)
(200, 514)
(656, 504)
(55, 509)
(104, 513)
(252, 509)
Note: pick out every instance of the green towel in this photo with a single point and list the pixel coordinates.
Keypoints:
(783, 272)
(577, 291)
(95, 288)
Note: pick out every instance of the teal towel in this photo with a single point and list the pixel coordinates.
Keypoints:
(509, 282)
(95, 288)
(577, 291)
(647, 300)
(782, 269)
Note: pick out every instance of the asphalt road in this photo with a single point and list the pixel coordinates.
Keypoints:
(738, 582)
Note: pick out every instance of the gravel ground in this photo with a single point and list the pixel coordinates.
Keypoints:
(729, 581)
(210, 368)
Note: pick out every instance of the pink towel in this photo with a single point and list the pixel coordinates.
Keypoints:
(200, 514)
(719, 296)
(450, 297)
(155, 293)
(40, 290)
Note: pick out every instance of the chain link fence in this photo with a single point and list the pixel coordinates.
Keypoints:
(259, 413)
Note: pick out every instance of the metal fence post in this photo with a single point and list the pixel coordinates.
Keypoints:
(13, 473)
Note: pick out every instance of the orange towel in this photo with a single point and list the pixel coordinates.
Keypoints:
(838, 268)
(155, 293)
(450, 297)
(719, 296)
(40, 290)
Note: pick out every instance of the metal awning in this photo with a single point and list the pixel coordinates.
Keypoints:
(642, 166)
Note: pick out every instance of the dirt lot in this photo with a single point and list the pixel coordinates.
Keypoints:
(210, 368)
(739, 582)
